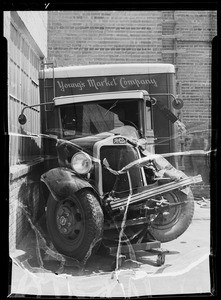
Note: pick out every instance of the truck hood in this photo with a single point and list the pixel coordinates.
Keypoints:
(87, 143)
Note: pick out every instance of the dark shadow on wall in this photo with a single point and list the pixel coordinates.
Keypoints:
(28, 147)
(32, 193)
(31, 202)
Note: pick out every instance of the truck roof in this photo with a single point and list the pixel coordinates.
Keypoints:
(133, 94)
(107, 70)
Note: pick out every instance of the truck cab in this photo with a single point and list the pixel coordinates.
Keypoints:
(158, 79)
(128, 113)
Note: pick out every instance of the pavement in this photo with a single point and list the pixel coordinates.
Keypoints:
(39, 270)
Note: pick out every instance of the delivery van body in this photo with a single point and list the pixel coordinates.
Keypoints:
(74, 80)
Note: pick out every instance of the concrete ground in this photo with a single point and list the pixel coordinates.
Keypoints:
(185, 271)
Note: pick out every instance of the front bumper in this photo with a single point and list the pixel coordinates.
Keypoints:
(139, 197)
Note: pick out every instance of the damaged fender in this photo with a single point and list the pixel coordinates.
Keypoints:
(75, 218)
(60, 181)
(166, 170)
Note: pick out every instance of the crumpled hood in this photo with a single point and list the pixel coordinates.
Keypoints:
(87, 143)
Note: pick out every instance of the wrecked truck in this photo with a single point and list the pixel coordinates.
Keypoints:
(110, 184)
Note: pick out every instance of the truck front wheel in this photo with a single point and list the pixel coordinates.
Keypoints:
(75, 224)
(168, 226)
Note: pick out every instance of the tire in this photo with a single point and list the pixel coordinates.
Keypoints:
(75, 224)
(168, 228)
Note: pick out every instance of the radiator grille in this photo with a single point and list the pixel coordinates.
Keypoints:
(118, 157)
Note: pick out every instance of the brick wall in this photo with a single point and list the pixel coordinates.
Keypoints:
(96, 37)
(196, 30)
(26, 202)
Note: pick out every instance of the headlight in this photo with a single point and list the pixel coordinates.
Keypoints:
(81, 163)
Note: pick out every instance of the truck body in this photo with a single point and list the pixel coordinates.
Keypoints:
(156, 79)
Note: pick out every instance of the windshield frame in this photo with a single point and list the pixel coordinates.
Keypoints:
(141, 115)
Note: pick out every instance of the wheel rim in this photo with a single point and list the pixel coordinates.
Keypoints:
(70, 220)
(164, 221)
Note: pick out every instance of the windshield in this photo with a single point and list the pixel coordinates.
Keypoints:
(83, 119)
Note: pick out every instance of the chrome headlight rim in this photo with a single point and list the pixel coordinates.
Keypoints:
(81, 163)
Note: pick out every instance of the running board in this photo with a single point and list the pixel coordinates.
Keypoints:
(139, 197)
